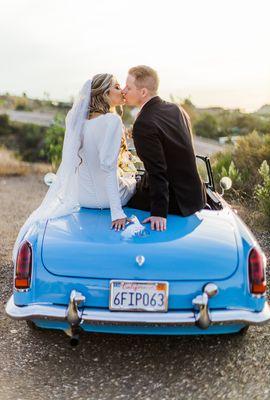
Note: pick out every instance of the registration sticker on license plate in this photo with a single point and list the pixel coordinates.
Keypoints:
(138, 296)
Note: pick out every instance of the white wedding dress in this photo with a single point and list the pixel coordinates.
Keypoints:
(91, 180)
(99, 182)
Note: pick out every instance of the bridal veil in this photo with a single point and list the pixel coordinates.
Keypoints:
(62, 196)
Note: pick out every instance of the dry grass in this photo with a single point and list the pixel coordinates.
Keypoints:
(11, 166)
(252, 217)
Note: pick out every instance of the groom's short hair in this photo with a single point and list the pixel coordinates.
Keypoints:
(145, 77)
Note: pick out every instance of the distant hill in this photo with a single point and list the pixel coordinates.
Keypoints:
(264, 110)
(214, 110)
(24, 103)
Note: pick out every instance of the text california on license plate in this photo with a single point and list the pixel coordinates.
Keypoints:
(138, 296)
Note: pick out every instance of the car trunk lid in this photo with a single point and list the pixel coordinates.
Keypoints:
(198, 247)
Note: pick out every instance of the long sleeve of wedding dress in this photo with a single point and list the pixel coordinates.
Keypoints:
(100, 185)
(108, 156)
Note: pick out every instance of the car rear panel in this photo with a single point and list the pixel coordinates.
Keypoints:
(199, 247)
(183, 258)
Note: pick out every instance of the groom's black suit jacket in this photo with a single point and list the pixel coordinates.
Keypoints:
(163, 141)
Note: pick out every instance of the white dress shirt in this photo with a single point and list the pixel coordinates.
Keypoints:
(100, 184)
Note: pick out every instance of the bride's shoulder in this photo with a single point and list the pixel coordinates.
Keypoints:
(113, 118)
(106, 120)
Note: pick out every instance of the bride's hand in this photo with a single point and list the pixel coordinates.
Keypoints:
(119, 224)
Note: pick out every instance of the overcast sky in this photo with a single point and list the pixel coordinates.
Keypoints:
(214, 51)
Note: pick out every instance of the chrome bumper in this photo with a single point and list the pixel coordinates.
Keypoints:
(106, 317)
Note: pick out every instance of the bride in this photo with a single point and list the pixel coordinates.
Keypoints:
(99, 182)
(89, 175)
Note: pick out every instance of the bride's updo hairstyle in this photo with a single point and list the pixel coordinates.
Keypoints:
(100, 88)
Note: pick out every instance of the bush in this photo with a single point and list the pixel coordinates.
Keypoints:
(53, 143)
(241, 163)
(262, 191)
(250, 151)
(4, 125)
(33, 142)
(206, 126)
(223, 165)
(30, 140)
(216, 122)
(221, 161)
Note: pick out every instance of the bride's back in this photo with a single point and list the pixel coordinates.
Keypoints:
(100, 148)
(94, 136)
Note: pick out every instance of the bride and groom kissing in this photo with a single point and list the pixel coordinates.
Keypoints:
(163, 141)
(89, 175)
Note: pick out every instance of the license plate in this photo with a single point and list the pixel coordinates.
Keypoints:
(138, 296)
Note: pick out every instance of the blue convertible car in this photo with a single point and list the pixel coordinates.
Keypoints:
(204, 275)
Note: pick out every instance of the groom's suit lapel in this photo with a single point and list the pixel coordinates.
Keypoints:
(148, 105)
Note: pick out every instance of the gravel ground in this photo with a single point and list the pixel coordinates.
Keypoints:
(41, 364)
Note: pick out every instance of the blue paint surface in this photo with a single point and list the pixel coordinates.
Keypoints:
(81, 252)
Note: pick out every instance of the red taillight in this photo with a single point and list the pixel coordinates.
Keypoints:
(256, 265)
(23, 266)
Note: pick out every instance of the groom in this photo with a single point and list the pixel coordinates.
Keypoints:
(163, 141)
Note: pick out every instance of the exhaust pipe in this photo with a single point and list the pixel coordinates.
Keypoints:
(75, 337)
(74, 316)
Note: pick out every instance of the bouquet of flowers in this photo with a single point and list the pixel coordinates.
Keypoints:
(126, 160)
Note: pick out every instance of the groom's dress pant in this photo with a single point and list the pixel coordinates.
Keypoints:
(141, 198)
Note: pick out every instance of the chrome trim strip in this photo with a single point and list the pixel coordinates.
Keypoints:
(38, 310)
(172, 318)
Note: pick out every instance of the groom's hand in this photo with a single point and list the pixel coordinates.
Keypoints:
(157, 223)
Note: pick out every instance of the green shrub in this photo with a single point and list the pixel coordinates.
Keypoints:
(216, 122)
(206, 126)
(33, 142)
(4, 125)
(242, 162)
(233, 173)
(30, 141)
(221, 161)
(262, 191)
(250, 151)
(223, 165)
(53, 143)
